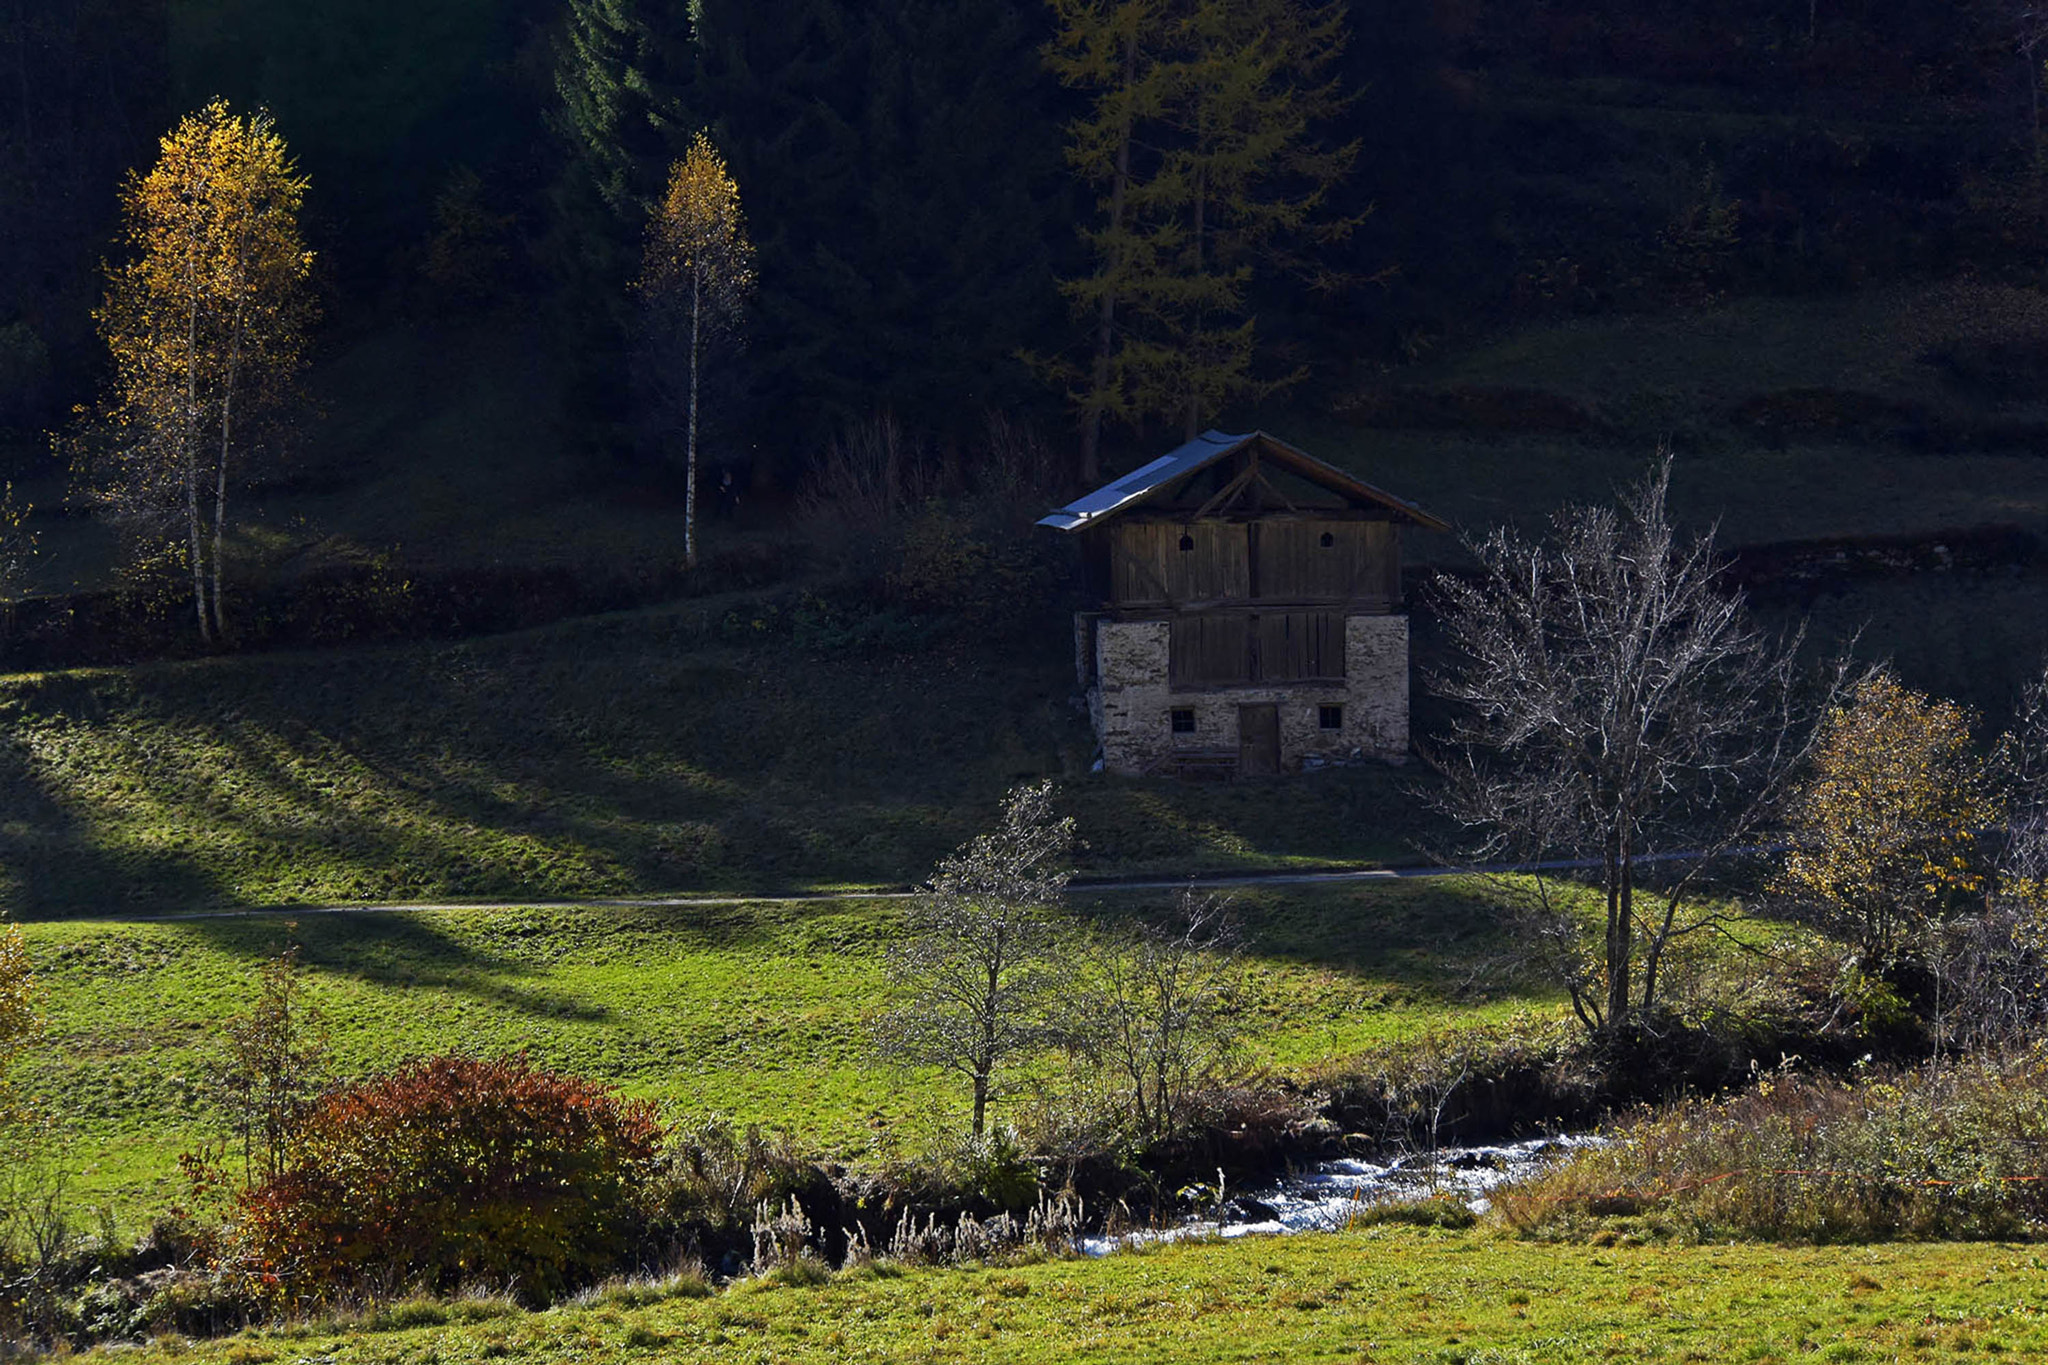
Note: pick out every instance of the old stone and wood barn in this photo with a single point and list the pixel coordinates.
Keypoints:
(1246, 612)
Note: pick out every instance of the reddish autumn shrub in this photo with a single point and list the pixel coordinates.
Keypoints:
(450, 1171)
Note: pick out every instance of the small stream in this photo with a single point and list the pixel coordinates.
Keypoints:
(1326, 1198)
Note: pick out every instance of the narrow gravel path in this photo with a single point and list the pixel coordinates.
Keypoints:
(1089, 887)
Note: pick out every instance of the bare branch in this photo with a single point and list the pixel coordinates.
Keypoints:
(1611, 699)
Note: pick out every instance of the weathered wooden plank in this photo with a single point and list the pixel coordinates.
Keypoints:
(1218, 568)
(1134, 565)
(1296, 565)
(1205, 650)
(1203, 561)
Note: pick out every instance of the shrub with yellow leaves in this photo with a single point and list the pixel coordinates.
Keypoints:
(1886, 832)
(18, 1019)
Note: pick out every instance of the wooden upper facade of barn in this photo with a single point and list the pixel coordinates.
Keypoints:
(1239, 522)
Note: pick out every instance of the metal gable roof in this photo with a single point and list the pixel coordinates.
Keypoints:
(1206, 449)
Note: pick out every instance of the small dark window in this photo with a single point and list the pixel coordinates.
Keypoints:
(1328, 540)
(1183, 721)
(1186, 543)
(1330, 717)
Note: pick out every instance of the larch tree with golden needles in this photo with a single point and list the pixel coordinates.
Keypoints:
(206, 327)
(698, 271)
(1201, 139)
(1885, 830)
(1120, 51)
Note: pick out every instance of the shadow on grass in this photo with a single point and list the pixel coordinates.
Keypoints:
(53, 865)
(1427, 936)
(599, 758)
(401, 950)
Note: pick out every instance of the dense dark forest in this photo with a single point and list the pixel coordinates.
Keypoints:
(902, 166)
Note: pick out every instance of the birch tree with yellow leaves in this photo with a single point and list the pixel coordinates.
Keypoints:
(206, 326)
(697, 273)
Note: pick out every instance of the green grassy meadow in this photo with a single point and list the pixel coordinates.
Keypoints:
(1382, 1296)
(754, 1011)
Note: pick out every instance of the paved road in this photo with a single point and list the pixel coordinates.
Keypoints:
(1091, 887)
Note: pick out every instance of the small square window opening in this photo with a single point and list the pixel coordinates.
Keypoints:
(1330, 717)
(1187, 543)
(1328, 540)
(1183, 721)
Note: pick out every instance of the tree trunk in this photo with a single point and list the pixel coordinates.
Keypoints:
(1105, 323)
(189, 438)
(1653, 955)
(1194, 413)
(980, 1101)
(690, 486)
(1618, 926)
(220, 491)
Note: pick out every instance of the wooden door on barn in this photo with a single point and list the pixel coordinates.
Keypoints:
(1258, 740)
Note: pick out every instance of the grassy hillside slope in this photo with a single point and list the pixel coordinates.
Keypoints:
(755, 1011)
(1385, 1296)
(1906, 410)
(756, 743)
(1921, 410)
(719, 744)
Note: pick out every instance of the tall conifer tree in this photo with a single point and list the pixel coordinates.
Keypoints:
(1122, 52)
(622, 80)
(1201, 139)
(901, 166)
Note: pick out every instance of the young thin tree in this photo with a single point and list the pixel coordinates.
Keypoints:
(1158, 1008)
(976, 965)
(698, 271)
(272, 1067)
(206, 330)
(18, 548)
(1885, 828)
(1611, 701)
(1991, 966)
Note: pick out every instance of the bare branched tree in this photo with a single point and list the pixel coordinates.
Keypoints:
(2024, 757)
(976, 965)
(2027, 23)
(1611, 700)
(1158, 1007)
(1990, 968)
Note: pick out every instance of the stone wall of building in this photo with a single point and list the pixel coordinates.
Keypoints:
(1129, 702)
(1376, 674)
(1132, 706)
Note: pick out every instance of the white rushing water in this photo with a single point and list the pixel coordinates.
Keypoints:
(1328, 1197)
